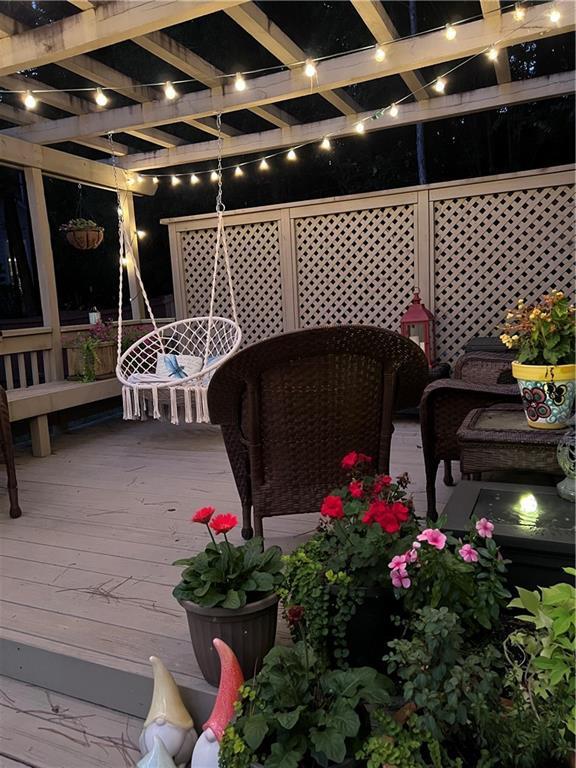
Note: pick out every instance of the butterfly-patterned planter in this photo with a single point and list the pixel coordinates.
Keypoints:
(547, 393)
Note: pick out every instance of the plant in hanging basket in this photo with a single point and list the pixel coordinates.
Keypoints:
(83, 234)
(228, 592)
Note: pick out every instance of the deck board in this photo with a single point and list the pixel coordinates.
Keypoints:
(86, 571)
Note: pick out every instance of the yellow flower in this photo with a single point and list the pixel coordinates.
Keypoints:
(559, 294)
(535, 313)
(509, 316)
(520, 302)
(515, 337)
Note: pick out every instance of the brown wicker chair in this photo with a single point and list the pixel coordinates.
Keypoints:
(290, 407)
(8, 453)
(480, 379)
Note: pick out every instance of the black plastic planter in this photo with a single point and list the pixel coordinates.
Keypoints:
(250, 632)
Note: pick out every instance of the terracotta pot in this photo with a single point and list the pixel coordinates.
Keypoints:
(250, 632)
(85, 239)
(104, 360)
(547, 393)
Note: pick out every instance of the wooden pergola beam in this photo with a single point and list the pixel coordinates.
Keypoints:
(382, 28)
(480, 100)
(425, 51)
(492, 12)
(23, 154)
(103, 25)
(270, 36)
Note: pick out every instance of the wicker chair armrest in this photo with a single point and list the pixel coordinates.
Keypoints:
(487, 368)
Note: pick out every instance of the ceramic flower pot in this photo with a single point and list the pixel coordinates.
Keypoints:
(249, 631)
(547, 393)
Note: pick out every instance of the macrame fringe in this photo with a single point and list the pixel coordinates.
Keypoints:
(136, 394)
(174, 406)
(155, 409)
(205, 413)
(188, 418)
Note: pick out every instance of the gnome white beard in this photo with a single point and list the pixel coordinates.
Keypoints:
(178, 741)
(206, 751)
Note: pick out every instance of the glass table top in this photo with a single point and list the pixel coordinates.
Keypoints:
(530, 510)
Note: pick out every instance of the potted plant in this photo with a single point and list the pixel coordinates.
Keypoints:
(227, 592)
(83, 234)
(298, 713)
(91, 354)
(544, 335)
(339, 579)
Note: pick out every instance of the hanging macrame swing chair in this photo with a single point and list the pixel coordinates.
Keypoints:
(166, 373)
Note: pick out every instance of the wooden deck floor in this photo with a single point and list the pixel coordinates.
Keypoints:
(86, 571)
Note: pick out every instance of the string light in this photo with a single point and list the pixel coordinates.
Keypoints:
(175, 181)
(140, 234)
(310, 68)
(101, 99)
(519, 12)
(30, 101)
(169, 91)
(213, 176)
(360, 128)
(139, 178)
(124, 261)
(194, 179)
(119, 211)
(264, 165)
(555, 15)
(450, 31)
(379, 53)
(155, 180)
(492, 53)
(440, 85)
(239, 82)
(238, 171)
(291, 155)
(130, 181)
(394, 110)
(326, 143)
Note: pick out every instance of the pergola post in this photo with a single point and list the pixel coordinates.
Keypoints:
(136, 298)
(45, 265)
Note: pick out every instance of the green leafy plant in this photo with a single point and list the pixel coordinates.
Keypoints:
(88, 349)
(363, 524)
(296, 712)
(80, 224)
(543, 333)
(444, 678)
(225, 575)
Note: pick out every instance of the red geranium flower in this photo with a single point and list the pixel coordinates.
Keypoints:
(363, 459)
(353, 458)
(203, 515)
(389, 523)
(356, 489)
(224, 523)
(381, 482)
(400, 511)
(332, 507)
(294, 615)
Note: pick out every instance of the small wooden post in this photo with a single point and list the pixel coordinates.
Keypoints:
(136, 299)
(45, 263)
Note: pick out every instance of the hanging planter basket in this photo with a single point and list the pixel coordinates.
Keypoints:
(83, 234)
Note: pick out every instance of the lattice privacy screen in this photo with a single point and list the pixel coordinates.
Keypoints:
(255, 262)
(490, 250)
(356, 267)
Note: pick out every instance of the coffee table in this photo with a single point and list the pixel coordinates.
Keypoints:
(499, 438)
(533, 525)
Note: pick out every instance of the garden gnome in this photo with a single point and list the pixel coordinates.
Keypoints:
(158, 757)
(167, 719)
(231, 678)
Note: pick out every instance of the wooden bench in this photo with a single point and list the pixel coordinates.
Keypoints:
(37, 401)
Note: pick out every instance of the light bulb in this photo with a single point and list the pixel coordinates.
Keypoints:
(519, 12)
(264, 165)
(101, 98)
(141, 234)
(194, 179)
(124, 261)
(310, 69)
(440, 85)
(130, 181)
(379, 53)
(555, 16)
(360, 128)
(238, 171)
(30, 101)
(169, 91)
(326, 144)
(492, 54)
(139, 179)
(155, 180)
(394, 110)
(119, 210)
(291, 155)
(175, 181)
(239, 82)
(450, 32)
(213, 176)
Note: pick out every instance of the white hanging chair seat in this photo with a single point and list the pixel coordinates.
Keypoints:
(168, 371)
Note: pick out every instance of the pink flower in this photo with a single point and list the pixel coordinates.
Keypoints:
(434, 537)
(203, 515)
(416, 545)
(398, 561)
(400, 578)
(485, 528)
(468, 553)
(411, 555)
(356, 489)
